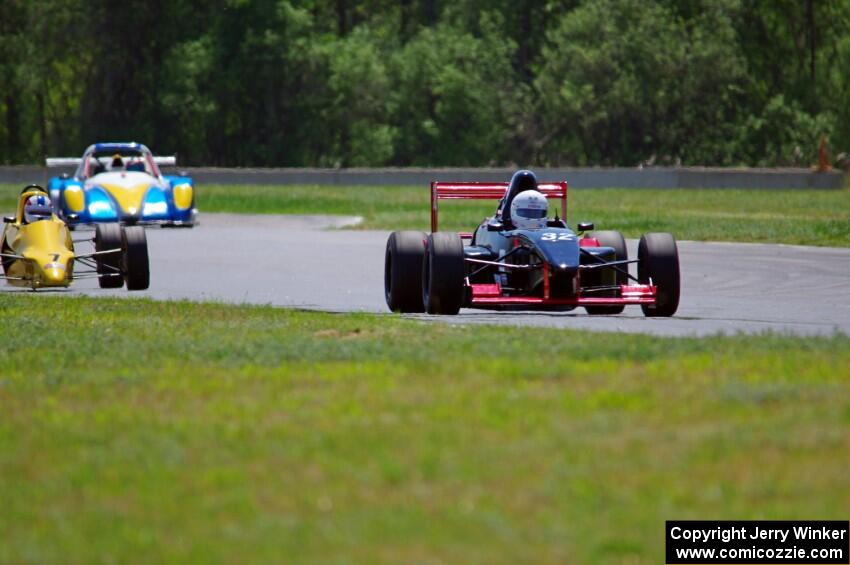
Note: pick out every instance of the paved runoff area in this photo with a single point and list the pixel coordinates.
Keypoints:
(313, 262)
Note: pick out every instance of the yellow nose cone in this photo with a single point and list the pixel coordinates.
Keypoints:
(183, 196)
(74, 198)
(54, 276)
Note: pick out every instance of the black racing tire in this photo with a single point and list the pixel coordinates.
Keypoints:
(443, 274)
(658, 259)
(136, 264)
(403, 271)
(108, 237)
(615, 239)
(6, 261)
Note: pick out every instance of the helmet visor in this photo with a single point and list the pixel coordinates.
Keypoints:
(534, 213)
(42, 210)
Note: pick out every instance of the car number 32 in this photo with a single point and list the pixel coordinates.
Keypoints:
(556, 236)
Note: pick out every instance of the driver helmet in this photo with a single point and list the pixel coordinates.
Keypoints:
(37, 208)
(529, 210)
(117, 162)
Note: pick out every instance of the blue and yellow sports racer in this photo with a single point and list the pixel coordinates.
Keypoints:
(121, 182)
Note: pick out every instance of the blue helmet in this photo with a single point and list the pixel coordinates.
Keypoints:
(37, 208)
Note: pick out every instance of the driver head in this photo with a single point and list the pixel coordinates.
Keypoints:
(37, 207)
(529, 210)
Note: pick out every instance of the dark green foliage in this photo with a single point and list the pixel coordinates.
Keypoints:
(430, 82)
(624, 81)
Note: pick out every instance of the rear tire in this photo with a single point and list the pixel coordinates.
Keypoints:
(107, 237)
(443, 273)
(403, 271)
(658, 259)
(136, 263)
(616, 240)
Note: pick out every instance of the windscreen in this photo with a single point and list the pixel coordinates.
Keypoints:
(119, 160)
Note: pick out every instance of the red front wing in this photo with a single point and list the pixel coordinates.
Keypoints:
(491, 295)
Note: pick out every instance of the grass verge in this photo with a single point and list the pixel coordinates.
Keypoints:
(806, 217)
(139, 431)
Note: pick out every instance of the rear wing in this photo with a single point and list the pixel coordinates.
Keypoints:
(488, 191)
(162, 161)
(62, 161)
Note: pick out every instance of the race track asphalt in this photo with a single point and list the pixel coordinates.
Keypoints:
(309, 262)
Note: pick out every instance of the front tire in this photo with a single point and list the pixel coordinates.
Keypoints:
(136, 262)
(658, 259)
(109, 237)
(616, 240)
(403, 271)
(443, 274)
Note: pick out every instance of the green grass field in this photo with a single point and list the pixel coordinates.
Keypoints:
(139, 431)
(810, 217)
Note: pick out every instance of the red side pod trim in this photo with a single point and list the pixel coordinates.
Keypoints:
(485, 291)
(588, 242)
(637, 291)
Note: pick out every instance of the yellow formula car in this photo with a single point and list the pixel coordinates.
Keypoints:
(37, 250)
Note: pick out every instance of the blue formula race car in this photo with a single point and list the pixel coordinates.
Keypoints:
(121, 182)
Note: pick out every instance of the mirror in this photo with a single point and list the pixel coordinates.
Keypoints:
(585, 226)
(495, 226)
(9, 219)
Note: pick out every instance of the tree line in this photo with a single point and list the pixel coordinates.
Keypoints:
(343, 83)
